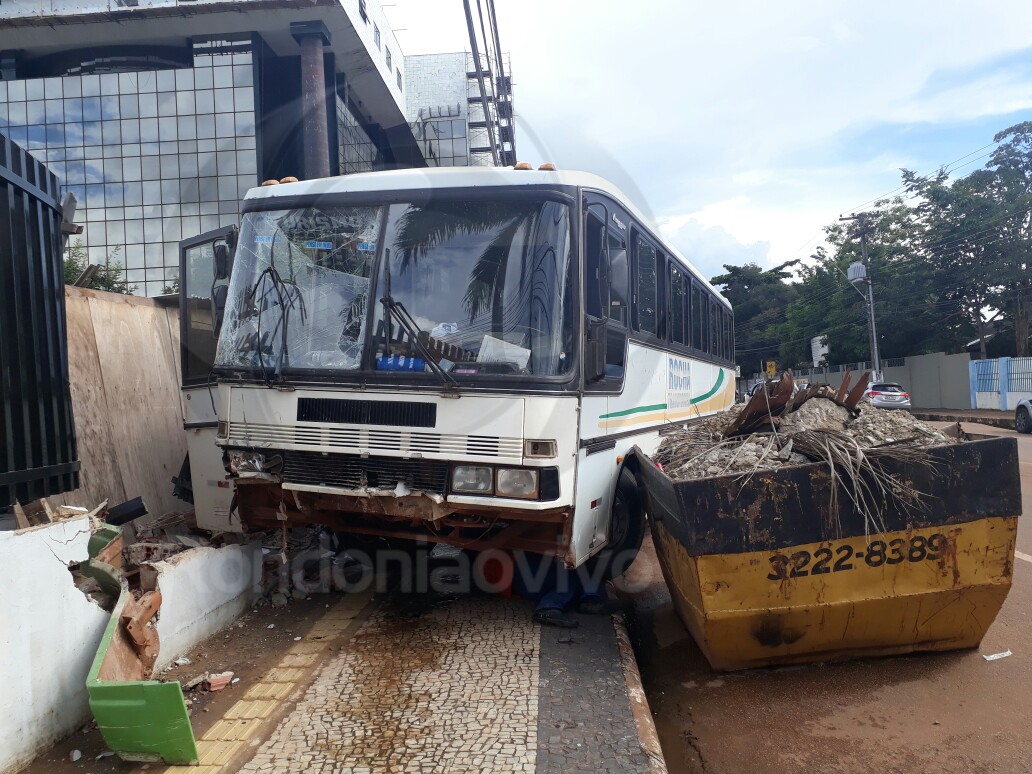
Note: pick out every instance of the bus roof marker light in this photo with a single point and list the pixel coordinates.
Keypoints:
(547, 168)
(270, 182)
(289, 179)
(524, 165)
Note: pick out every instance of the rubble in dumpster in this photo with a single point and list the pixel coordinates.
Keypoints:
(783, 426)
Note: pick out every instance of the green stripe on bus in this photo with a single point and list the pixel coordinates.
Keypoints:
(638, 410)
(711, 393)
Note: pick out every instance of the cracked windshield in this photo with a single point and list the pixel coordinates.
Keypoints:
(464, 288)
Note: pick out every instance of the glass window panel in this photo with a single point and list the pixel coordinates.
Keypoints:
(153, 250)
(209, 189)
(209, 208)
(166, 103)
(73, 109)
(54, 111)
(94, 195)
(78, 191)
(91, 109)
(129, 106)
(112, 170)
(209, 222)
(223, 77)
(188, 165)
(169, 167)
(73, 139)
(172, 228)
(115, 213)
(187, 127)
(109, 84)
(3, 112)
(166, 129)
(190, 208)
(115, 232)
(133, 194)
(3, 91)
(244, 184)
(16, 91)
(224, 100)
(205, 146)
(242, 75)
(646, 295)
(35, 112)
(244, 124)
(226, 161)
(204, 102)
(244, 99)
(147, 148)
(249, 143)
(75, 172)
(151, 193)
(134, 275)
(19, 134)
(34, 89)
(130, 130)
(53, 88)
(169, 193)
(112, 132)
(146, 82)
(93, 152)
(154, 274)
(184, 79)
(205, 128)
(134, 233)
(148, 105)
(108, 107)
(112, 151)
(72, 86)
(133, 257)
(224, 125)
(113, 196)
(191, 226)
(133, 213)
(185, 103)
(127, 83)
(152, 230)
(151, 167)
(204, 78)
(37, 137)
(188, 146)
(227, 190)
(228, 219)
(166, 80)
(73, 153)
(189, 190)
(247, 164)
(18, 114)
(98, 252)
(94, 171)
(56, 136)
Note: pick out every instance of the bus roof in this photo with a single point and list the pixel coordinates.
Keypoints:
(466, 177)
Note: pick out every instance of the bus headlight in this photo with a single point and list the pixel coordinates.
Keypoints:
(517, 482)
(472, 479)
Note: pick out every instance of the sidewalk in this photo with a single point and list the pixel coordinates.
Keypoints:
(1004, 419)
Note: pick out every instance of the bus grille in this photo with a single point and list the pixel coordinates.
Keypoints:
(366, 412)
(346, 472)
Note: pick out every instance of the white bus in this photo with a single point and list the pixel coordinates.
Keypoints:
(463, 356)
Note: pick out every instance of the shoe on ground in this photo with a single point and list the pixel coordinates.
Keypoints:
(599, 607)
(554, 617)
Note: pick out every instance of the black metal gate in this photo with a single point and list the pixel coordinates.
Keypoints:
(37, 436)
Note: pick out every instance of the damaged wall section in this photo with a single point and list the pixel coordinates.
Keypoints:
(203, 590)
(49, 633)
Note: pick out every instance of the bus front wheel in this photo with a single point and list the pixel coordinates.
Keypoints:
(626, 528)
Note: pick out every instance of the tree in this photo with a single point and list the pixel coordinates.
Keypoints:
(109, 277)
(760, 299)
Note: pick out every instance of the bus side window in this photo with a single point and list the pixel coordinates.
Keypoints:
(677, 307)
(594, 270)
(646, 290)
(698, 318)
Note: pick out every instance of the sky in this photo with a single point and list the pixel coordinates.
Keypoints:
(743, 128)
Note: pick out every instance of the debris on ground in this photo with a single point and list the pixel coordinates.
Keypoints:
(219, 681)
(781, 426)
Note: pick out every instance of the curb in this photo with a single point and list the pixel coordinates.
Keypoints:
(1005, 422)
(647, 735)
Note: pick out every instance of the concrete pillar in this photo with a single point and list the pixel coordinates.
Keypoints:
(312, 37)
(1004, 382)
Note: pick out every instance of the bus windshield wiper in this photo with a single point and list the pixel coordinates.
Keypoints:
(395, 310)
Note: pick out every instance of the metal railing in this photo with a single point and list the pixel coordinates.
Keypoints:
(986, 375)
(37, 435)
(1020, 374)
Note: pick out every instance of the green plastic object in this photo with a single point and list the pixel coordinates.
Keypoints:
(140, 720)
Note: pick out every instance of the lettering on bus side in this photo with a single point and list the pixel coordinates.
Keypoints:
(679, 383)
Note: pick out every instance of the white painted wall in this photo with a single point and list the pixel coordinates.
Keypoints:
(988, 400)
(49, 633)
(202, 591)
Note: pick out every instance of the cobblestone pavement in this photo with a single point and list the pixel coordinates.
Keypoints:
(461, 684)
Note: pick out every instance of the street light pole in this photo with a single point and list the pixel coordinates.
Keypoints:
(875, 355)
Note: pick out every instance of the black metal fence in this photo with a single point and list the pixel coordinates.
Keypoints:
(37, 435)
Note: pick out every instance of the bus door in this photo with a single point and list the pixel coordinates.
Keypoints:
(606, 308)
(205, 263)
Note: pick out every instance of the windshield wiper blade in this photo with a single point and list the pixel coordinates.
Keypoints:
(395, 309)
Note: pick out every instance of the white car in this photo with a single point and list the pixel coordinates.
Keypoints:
(887, 395)
(1023, 416)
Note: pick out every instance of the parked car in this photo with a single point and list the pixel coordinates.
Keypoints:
(1023, 416)
(888, 395)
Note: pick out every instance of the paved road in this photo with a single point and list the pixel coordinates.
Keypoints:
(950, 712)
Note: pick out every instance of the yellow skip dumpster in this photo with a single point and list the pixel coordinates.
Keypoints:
(790, 565)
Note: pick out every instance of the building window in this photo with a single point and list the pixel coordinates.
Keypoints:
(388, 52)
(376, 35)
(400, 88)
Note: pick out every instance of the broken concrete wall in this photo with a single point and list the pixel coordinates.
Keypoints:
(49, 633)
(203, 590)
(123, 362)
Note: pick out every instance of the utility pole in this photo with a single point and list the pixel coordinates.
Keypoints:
(857, 277)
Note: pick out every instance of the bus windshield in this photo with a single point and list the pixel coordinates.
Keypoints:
(459, 286)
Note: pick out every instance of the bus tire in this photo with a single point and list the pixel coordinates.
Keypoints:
(626, 528)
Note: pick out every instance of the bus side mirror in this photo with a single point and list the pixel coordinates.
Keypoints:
(221, 262)
(595, 350)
